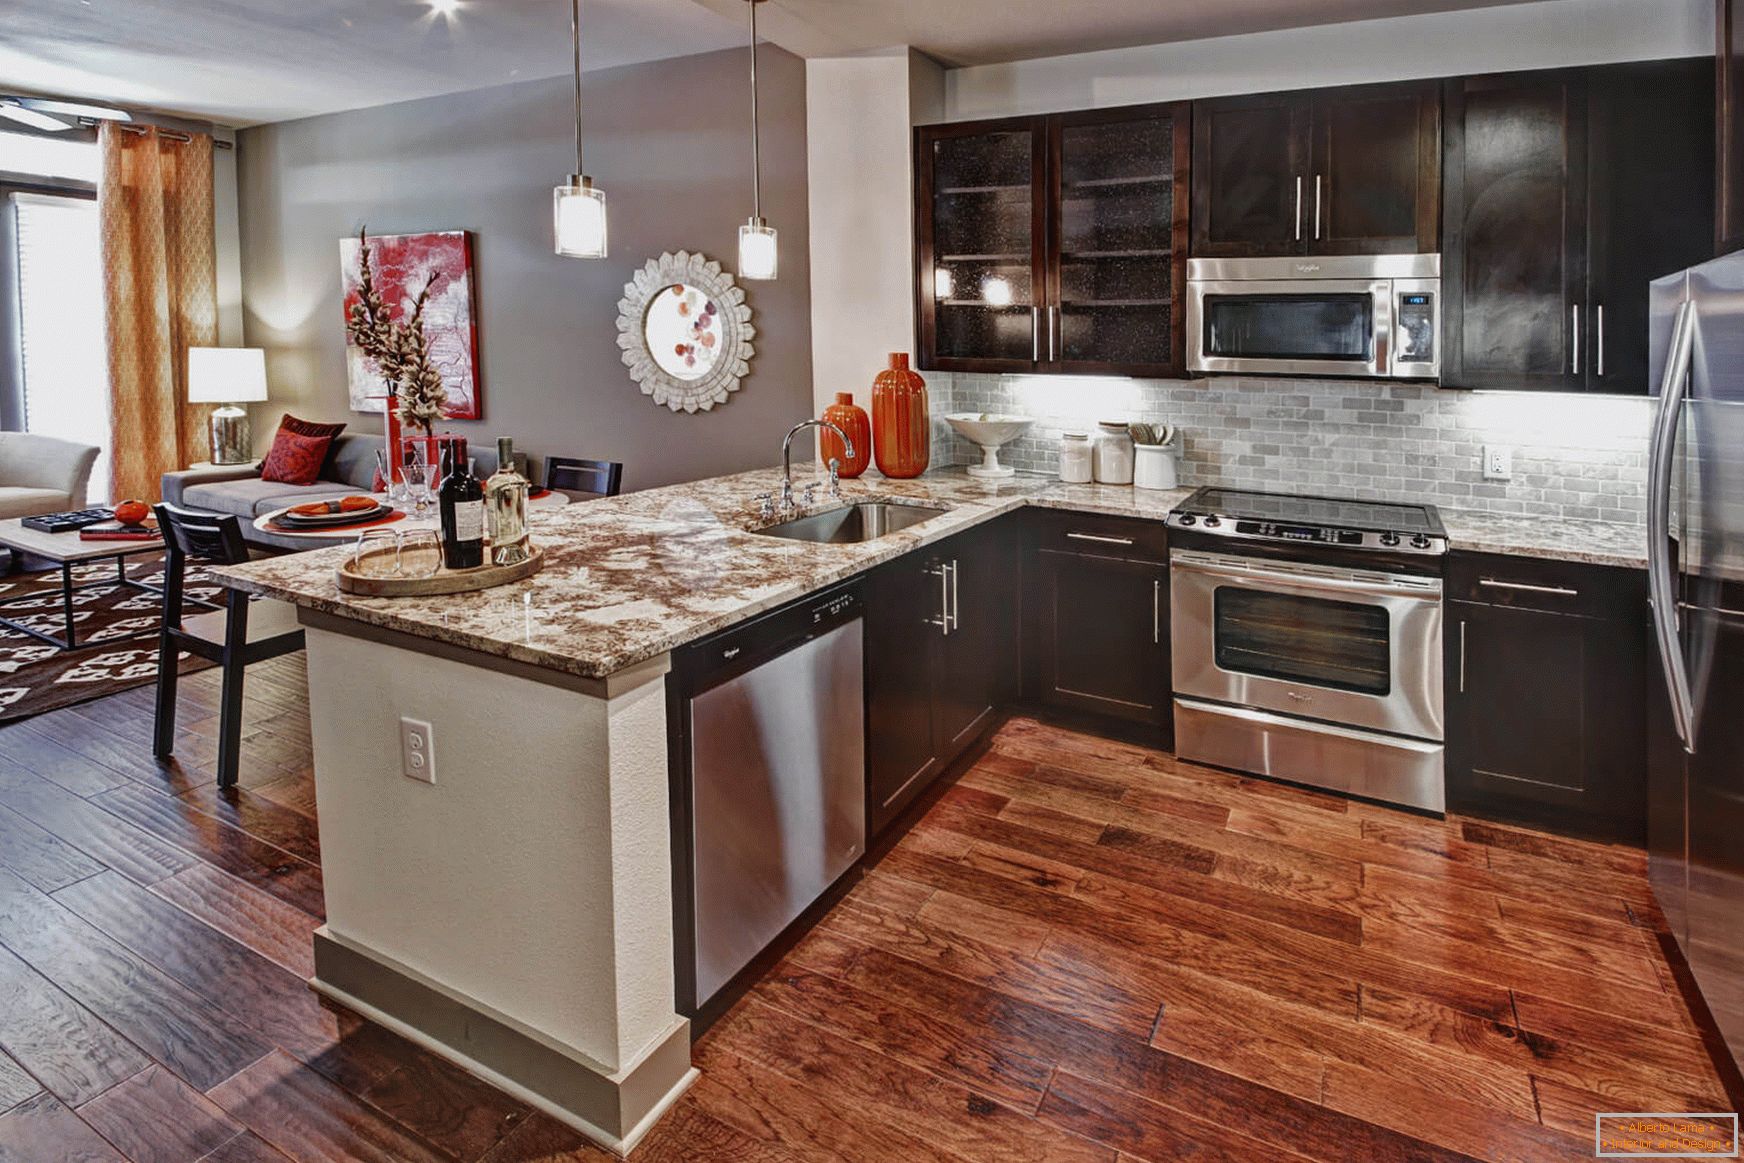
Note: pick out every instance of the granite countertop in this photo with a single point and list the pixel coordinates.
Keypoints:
(632, 577)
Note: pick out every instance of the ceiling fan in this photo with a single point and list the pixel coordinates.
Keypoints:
(53, 116)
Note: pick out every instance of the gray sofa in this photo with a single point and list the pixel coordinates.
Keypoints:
(239, 491)
(39, 474)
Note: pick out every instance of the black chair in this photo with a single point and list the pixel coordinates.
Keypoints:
(600, 478)
(241, 633)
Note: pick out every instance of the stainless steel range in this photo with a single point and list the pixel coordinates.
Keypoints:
(1306, 637)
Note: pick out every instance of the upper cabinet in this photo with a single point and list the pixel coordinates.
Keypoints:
(1053, 244)
(1353, 170)
(1567, 193)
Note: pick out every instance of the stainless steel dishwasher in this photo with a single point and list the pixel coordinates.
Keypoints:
(768, 726)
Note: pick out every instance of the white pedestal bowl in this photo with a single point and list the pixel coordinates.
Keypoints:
(991, 432)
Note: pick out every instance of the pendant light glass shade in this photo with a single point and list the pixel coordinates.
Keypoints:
(578, 207)
(758, 258)
(579, 218)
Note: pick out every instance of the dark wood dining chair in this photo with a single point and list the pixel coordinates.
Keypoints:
(568, 474)
(245, 631)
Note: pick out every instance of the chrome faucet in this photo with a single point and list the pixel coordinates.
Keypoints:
(787, 456)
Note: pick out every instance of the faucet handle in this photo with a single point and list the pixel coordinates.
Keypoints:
(810, 497)
(835, 478)
(765, 505)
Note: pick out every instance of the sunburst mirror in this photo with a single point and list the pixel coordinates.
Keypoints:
(685, 331)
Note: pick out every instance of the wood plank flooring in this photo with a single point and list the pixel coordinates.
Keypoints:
(1083, 951)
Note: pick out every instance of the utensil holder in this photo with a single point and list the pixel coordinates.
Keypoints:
(1154, 467)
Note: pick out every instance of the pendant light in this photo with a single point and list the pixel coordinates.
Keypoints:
(757, 249)
(578, 207)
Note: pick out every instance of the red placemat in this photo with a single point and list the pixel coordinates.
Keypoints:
(277, 527)
(535, 494)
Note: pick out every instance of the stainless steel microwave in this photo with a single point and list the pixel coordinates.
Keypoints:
(1377, 316)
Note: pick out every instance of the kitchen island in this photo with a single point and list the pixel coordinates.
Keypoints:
(514, 913)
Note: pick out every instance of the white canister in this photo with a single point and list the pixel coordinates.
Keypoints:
(1076, 466)
(1113, 453)
(1154, 467)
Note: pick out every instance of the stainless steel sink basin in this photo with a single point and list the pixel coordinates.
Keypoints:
(851, 524)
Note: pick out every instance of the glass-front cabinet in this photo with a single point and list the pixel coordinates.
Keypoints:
(1054, 244)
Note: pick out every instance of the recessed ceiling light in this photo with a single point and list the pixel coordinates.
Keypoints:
(448, 8)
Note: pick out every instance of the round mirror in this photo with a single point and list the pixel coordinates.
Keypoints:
(683, 328)
(685, 332)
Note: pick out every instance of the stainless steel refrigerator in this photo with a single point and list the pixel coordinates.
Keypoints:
(1695, 528)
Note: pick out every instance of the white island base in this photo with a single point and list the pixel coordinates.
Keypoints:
(515, 915)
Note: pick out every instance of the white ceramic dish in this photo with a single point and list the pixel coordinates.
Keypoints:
(991, 431)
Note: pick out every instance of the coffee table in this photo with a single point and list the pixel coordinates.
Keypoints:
(68, 550)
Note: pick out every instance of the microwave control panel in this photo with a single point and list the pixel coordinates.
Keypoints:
(1416, 327)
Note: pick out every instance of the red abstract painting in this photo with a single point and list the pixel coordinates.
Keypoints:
(403, 263)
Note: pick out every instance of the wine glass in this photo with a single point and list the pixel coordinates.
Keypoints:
(418, 488)
(377, 553)
(420, 553)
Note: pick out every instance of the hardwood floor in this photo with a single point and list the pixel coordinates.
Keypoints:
(1083, 951)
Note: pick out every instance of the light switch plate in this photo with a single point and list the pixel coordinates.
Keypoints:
(417, 750)
(1498, 462)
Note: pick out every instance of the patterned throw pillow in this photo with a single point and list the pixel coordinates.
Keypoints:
(312, 428)
(295, 459)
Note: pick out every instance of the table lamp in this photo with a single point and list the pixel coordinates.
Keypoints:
(228, 376)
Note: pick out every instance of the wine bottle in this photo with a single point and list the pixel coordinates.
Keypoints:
(505, 507)
(461, 500)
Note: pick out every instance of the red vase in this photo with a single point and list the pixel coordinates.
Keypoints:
(852, 420)
(903, 432)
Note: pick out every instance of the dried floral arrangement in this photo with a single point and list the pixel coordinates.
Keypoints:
(398, 347)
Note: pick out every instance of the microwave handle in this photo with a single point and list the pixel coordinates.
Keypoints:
(1298, 207)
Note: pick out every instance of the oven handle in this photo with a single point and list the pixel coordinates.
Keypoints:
(1256, 577)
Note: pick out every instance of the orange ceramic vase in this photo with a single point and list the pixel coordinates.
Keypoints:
(852, 420)
(899, 420)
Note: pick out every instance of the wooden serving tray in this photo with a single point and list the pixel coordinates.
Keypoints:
(443, 581)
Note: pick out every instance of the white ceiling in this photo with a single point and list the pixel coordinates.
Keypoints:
(241, 62)
(975, 32)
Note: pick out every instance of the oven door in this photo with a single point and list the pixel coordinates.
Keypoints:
(1355, 647)
(1307, 327)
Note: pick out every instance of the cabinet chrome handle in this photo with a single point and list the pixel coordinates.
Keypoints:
(956, 605)
(1462, 656)
(1298, 207)
(1599, 357)
(1316, 205)
(1574, 313)
(1035, 334)
(1156, 611)
(944, 622)
(1491, 583)
(1099, 538)
(1054, 333)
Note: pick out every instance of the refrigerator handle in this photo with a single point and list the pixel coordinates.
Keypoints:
(1660, 579)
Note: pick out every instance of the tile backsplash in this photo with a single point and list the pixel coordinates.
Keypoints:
(1573, 456)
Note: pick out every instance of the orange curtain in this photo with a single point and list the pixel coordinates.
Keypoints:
(160, 298)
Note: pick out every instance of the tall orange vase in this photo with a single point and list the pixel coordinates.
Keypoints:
(902, 430)
(852, 420)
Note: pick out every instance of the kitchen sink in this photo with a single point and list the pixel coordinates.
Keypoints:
(852, 524)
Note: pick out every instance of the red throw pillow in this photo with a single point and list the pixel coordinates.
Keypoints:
(295, 459)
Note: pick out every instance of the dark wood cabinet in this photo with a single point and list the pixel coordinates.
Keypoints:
(1567, 193)
(1729, 126)
(941, 659)
(1546, 695)
(1053, 244)
(1096, 620)
(1350, 170)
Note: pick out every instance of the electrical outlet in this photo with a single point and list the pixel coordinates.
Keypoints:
(417, 750)
(1498, 462)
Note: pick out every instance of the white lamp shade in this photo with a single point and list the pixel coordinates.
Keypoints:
(579, 220)
(226, 375)
(758, 257)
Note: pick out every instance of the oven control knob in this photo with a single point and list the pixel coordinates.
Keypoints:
(1420, 542)
(1389, 539)
(1189, 519)
(1212, 522)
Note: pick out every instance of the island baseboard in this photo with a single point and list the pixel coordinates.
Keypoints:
(613, 1108)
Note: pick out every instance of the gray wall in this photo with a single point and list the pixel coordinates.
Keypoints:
(669, 142)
